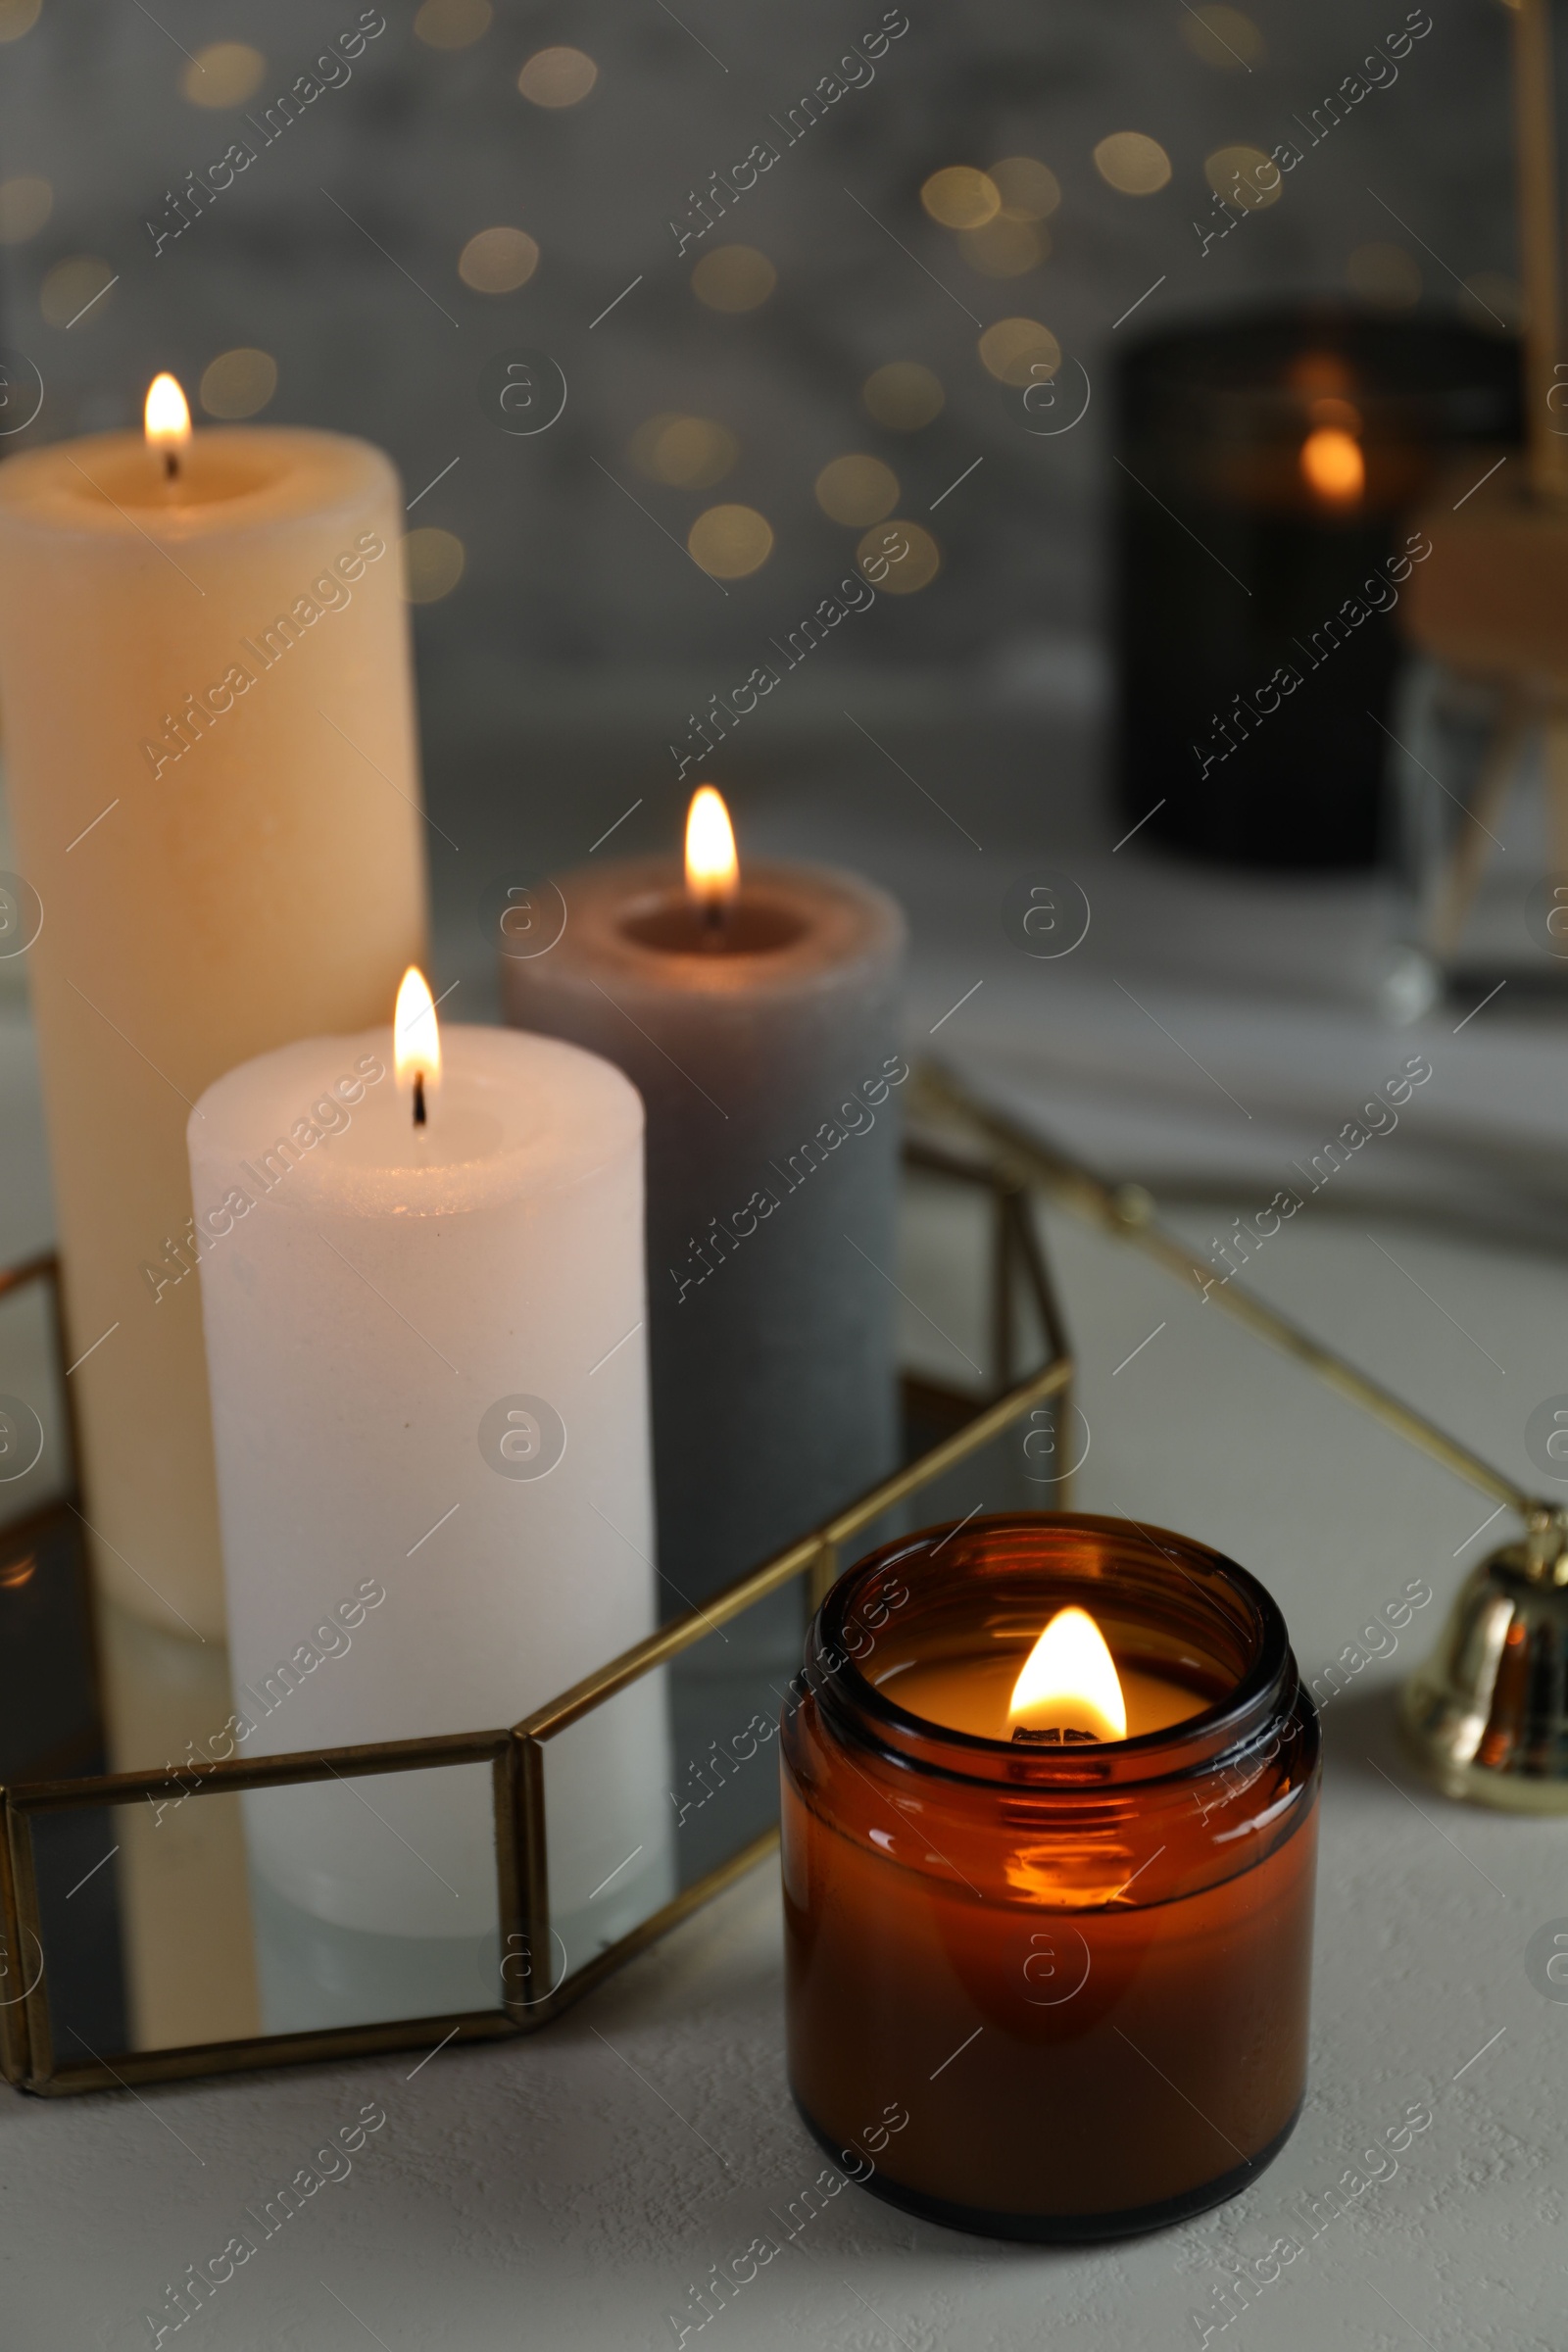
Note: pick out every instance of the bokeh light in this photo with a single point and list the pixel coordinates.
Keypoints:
(1004, 248)
(498, 260)
(432, 564)
(904, 396)
(687, 452)
(734, 277)
(1331, 465)
(1320, 375)
(225, 74)
(1133, 165)
(556, 78)
(25, 204)
(73, 286)
(452, 23)
(17, 17)
(1020, 351)
(1029, 190)
(960, 197)
(898, 557)
(1245, 178)
(1224, 37)
(238, 383)
(730, 541)
(856, 490)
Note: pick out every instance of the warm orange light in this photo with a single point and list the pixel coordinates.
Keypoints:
(1332, 467)
(712, 869)
(1320, 371)
(166, 416)
(1070, 1682)
(415, 1038)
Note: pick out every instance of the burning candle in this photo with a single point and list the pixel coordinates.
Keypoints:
(214, 784)
(1266, 471)
(712, 868)
(1331, 465)
(756, 1012)
(165, 422)
(424, 1304)
(1069, 1690)
(1050, 1808)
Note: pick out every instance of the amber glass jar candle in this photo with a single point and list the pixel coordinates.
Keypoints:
(1049, 1979)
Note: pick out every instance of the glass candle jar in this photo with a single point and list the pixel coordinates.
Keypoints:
(1048, 1992)
(1267, 463)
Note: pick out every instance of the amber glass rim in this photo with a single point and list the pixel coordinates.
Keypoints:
(1183, 1581)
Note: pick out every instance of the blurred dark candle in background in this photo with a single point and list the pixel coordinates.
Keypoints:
(1267, 466)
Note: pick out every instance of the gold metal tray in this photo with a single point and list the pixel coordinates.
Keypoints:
(64, 2006)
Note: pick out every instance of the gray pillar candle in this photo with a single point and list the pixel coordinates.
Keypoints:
(763, 1037)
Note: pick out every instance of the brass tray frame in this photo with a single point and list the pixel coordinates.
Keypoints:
(1127, 1212)
(29, 2057)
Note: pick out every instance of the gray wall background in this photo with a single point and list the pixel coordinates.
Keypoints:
(576, 622)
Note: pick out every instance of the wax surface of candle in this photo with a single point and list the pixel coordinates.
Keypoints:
(428, 1376)
(215, 793)
(971, 1693)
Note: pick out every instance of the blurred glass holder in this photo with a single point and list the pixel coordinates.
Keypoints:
(1480, 759)
(1267, 466)
(148, 1929)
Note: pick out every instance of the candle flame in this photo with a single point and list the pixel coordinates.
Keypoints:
(1070, 1682)
(1332, 467)
(712, 869)
(166, 416)
(416, 1037)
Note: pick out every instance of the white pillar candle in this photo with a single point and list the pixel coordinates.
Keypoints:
(428, 1381)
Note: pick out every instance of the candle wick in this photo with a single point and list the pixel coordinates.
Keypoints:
(1053, 1737)
(171, 465)
(418, 1098)
(715, 916)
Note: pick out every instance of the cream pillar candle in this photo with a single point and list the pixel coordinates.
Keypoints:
(214, 788)
(429, 1393)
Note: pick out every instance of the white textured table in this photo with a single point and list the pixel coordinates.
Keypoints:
(574, 2189)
